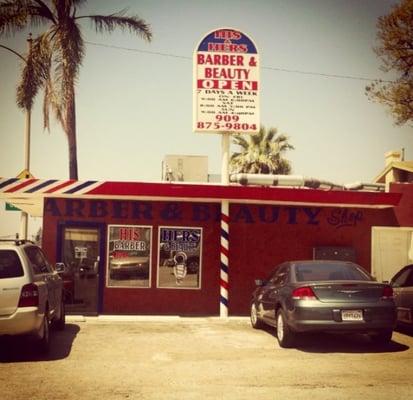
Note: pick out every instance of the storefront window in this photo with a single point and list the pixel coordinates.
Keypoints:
(129, 256)
(179, 257)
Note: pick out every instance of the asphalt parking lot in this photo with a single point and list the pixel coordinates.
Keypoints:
(202, 358)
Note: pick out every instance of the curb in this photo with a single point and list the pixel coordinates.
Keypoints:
(149, 318)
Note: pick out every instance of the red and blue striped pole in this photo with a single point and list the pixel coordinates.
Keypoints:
(223, 312)
(224, 253)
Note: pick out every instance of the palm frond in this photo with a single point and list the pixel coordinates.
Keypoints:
(16, 15)
(52, 101)
(35, 71)
(261, 153)
(69, 51)
(271, 133)
(108, 23)
(42, 10)
(13, 16)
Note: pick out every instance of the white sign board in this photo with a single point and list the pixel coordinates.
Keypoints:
(226, 83)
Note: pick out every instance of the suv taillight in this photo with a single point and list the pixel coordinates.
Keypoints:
(387, 293)
(303, 293)
(29, 296)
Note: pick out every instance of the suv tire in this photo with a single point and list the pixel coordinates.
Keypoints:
(44, 341)
(60, 322)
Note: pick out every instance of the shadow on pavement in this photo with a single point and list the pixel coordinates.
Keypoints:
(342, 343)
(405, 329)
(22, 349)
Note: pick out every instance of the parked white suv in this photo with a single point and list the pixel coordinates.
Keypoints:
(30, 292)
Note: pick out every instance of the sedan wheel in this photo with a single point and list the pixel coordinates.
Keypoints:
(285, 335)
(255, 321)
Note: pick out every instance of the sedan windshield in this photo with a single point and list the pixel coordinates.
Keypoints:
(330, 271)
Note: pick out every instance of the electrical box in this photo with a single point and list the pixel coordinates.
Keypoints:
(334, 253)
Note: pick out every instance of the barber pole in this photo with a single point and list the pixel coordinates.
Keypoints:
(224, 259)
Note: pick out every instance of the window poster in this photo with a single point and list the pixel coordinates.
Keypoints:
(129, 255)
(179, 258)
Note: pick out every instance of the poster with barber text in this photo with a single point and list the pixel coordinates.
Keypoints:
(179, 257)
(129, 255)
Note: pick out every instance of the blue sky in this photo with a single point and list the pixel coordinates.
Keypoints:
(134, 107)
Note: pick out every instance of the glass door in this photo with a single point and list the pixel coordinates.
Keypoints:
(81, 256)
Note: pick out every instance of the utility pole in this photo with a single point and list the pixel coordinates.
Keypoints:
(27, 131)
(24, 218)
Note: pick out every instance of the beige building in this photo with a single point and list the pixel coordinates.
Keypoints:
(396, 169)
(185, 168)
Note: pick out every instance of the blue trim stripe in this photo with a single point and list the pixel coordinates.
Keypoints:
(224, 268)
(8, 182)
(80, 187)
(224, 301)
(224, 234)
(41, 186)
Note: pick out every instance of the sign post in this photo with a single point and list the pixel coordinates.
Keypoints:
(226, 100)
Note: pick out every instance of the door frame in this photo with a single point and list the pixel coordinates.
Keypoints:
(101, 228)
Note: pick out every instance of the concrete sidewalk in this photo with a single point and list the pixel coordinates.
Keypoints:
(208, 358)
(149, 318)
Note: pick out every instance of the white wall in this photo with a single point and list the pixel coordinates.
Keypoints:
(392, 249)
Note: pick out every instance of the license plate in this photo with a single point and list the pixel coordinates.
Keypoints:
(352, 315)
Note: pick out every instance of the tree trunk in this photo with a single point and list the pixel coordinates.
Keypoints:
(71, 136)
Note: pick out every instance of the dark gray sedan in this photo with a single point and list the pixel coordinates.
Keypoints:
(402, 284)
(323, 296)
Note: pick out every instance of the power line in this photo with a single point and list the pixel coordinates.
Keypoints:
(294, 71)
(138, 50)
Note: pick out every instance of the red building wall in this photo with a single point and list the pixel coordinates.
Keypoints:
(261, 236)
(404, 211)
(153, 300)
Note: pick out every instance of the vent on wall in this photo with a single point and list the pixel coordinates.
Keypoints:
(334, 253)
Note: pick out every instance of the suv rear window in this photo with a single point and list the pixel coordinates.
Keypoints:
(10, 265)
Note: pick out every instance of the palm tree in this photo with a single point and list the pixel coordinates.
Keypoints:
(57, 55)
(261, 153)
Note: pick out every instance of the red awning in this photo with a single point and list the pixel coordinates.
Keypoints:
(28, 194)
